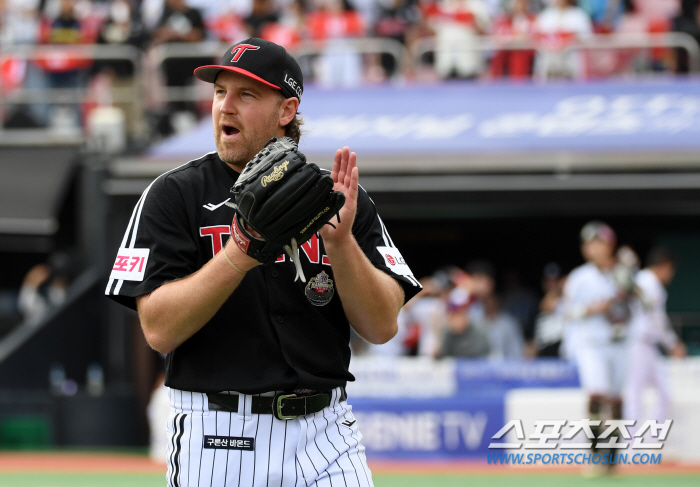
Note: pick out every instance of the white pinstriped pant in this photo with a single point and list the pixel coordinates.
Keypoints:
(312, 450)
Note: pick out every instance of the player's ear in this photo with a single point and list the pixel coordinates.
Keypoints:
(287, 110)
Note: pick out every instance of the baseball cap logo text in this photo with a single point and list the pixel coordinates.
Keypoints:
(238, 51)
(292, 83)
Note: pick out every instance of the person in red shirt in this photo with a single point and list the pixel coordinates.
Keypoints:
(517, 25)
(330, 24)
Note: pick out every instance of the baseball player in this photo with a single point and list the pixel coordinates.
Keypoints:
(257, 360)
(591, 338)
(648, 330)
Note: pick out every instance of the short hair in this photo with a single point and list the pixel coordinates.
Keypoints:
(661, 255)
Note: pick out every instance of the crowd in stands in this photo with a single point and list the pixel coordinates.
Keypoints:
(465, 312)
(530, 38)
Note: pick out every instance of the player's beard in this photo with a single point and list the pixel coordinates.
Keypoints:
(249, 142)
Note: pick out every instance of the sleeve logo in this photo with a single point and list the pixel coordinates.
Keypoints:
(394, 261)
(130, 264)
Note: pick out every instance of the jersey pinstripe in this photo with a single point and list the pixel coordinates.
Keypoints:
(321, 449)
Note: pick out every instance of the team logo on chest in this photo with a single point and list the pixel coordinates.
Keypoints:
(319, 291)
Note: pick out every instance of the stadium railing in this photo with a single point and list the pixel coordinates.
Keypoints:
(148, 90)
(423, 46)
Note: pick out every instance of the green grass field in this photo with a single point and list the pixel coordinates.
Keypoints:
(380, 480)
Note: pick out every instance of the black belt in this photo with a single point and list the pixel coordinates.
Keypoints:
(282, 406)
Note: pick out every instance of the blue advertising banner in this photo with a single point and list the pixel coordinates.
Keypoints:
(428, 428)
(481, 375)
(471, 118)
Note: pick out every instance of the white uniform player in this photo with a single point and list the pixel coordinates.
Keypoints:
(650, 328)
(590, 337)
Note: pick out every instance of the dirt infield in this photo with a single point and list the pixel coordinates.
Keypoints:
(57, 461)
(78, 462)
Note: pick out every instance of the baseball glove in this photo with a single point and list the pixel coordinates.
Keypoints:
(284, 199)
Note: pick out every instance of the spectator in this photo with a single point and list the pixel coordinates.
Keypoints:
(425, 314)
(516, 25)
(603, 13)
(228, 27)
(332, 23)
(522, 303)
(20, 22)
(687, 22)
(264, 12)
(179, 23)
(502, 329)
(558, 27)
(549, 326)
(290, 28)
(19, 25)
(461, 337)
(61, 69)
(457, 25)
(44, 287)
(398, 20)
(121, 29)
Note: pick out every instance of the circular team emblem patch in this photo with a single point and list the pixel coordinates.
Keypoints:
(319, 291)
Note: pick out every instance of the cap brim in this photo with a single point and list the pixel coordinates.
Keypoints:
(209, 74)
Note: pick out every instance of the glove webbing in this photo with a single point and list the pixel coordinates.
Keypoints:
(293, 253)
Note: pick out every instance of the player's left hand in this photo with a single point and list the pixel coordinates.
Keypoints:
(345, 176)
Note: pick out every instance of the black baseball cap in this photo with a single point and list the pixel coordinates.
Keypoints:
(262, 61)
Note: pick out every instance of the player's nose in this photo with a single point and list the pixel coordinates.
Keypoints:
(228, 104)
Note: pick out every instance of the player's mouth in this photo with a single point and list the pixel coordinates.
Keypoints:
(229, 131)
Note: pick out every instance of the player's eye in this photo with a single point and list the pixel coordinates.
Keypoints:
(220, 92)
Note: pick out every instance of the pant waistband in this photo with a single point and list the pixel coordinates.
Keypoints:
(282, 405)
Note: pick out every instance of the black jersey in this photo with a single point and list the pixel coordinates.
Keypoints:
(272, 333)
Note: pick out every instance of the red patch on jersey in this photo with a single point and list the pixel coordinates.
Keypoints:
(390, 259)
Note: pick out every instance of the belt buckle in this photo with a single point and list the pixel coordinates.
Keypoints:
(277, 406)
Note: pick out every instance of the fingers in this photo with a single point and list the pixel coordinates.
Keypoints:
(354, 182)
(344, 169)
(336, 165)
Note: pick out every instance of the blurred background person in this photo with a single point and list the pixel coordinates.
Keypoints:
(515, 25)
(457, 25)
(549, 326)
(264, 12)
(179, 23)
(504, 334)
(121, 28)
(460, 337)
(557, 28)
(588, 306)
(649, 330)
(688, 22)
(426, 313)
(331, 23)
(399, 20)
(464, 333)
(61, 69)
(44, 288)
(522, 303)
